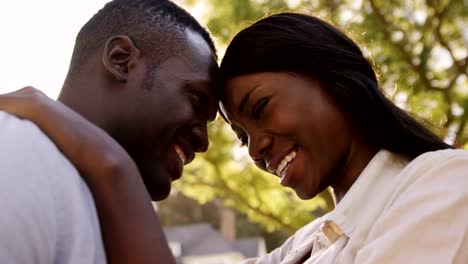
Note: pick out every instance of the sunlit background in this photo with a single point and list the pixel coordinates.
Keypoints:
(37, 39)
(418, 48)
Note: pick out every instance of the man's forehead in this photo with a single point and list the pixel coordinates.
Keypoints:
(198, 44)
(196, 60)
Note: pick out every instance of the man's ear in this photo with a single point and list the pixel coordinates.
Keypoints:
(119, 56)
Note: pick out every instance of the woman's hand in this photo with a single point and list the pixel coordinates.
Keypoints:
(22, 102)
(130, 227)
(88, 147)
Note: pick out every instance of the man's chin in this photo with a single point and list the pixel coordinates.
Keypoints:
(159, 189)
(160, 195)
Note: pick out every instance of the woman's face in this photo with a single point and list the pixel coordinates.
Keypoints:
(291, 126)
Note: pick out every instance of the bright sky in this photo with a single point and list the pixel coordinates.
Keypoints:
(37, 39)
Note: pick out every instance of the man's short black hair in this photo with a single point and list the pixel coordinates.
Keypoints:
(157, 27)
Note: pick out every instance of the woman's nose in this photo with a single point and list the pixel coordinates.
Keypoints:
(259, 146)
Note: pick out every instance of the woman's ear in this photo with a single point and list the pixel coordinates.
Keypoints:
(119, 56)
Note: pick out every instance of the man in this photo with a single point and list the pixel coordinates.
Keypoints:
(142, 71)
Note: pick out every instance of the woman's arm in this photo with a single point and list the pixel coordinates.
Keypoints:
(130, 227)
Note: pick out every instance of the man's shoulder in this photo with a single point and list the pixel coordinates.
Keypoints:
(12, 128)
(43, 197)
(27, 154)
(25, 140)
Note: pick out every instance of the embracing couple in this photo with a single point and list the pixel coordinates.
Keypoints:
(78, 174)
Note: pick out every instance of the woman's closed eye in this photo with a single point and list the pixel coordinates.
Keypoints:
(257, 109)
(243, 139)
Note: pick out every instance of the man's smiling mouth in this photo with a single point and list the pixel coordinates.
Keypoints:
(180, 153)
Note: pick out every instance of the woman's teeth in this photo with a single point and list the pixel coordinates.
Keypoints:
(181, 153)
(284, 164)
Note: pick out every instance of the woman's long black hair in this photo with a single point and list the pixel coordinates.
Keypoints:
(290, 42)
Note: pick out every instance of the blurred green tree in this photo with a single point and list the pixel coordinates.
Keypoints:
(225, 173)
(418, 48)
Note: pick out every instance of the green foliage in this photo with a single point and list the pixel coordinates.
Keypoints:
(419, 51)
(217, 174)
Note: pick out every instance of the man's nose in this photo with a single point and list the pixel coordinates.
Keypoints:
(200, 138)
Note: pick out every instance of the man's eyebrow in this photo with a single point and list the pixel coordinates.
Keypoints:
(242, 104)
(198, 84)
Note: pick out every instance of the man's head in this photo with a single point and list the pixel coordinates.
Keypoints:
(143, 71)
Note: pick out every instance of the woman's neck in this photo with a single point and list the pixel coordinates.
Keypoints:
(359, 156)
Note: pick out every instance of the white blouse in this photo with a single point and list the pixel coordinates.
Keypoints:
(396, 212)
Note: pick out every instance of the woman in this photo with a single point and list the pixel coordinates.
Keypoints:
(305, 101)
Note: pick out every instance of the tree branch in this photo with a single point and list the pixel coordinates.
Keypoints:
(440, 15)
(229, 193)
(459, 136)
(400, 47)
(239, 198)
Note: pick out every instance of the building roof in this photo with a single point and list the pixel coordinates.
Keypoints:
(202, 239)
(250, 247)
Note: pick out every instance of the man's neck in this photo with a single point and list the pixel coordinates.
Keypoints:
(77, 96)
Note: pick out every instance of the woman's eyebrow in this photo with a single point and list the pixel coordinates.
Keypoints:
(242, 104)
